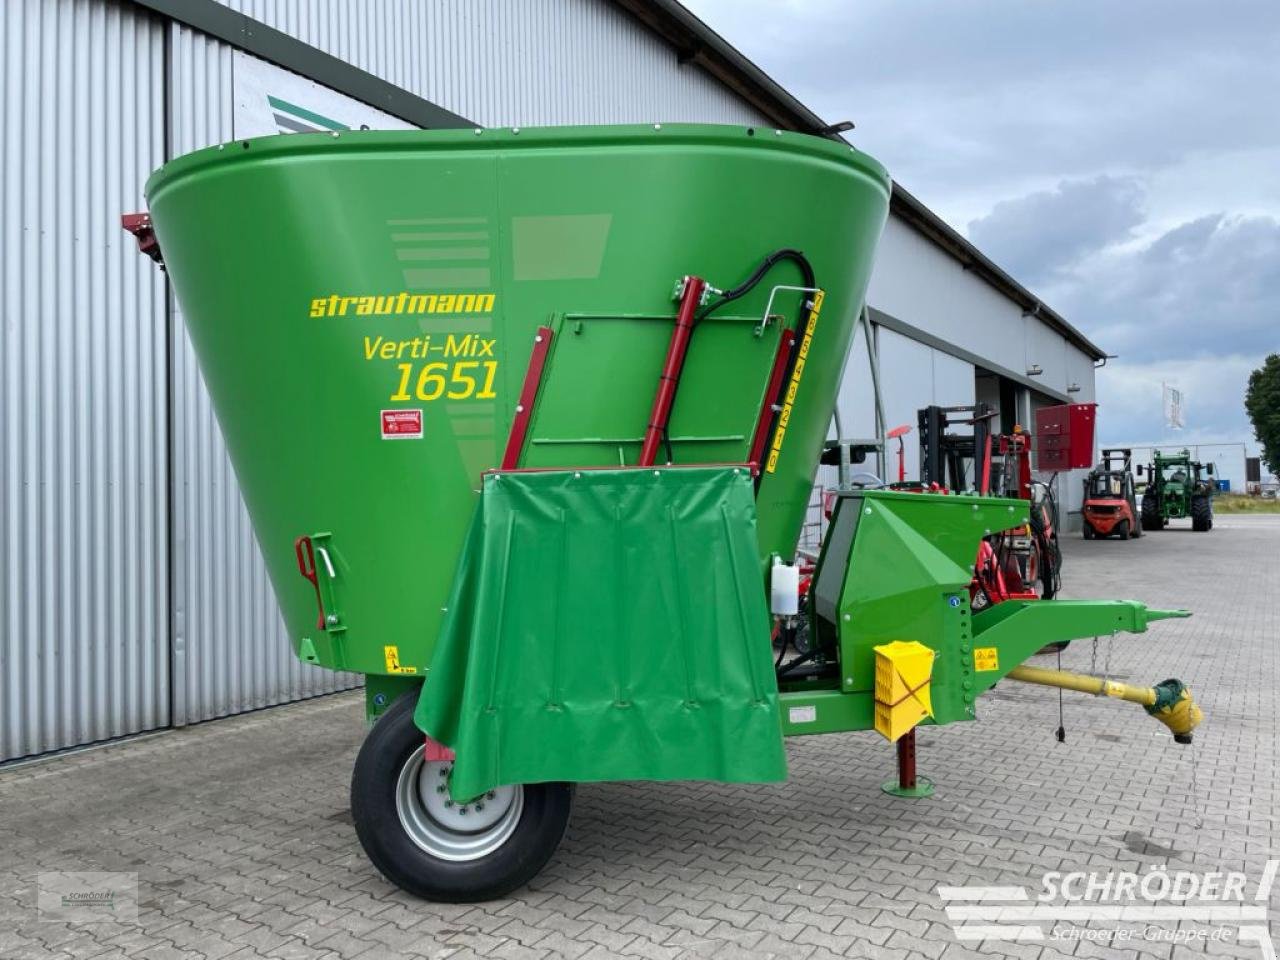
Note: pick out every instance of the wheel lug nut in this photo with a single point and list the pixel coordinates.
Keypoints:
(448, 803)
(441, 788)
(479, 807)
(462, 811)
(492, 795)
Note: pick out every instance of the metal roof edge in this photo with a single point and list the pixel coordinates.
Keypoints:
(696, 42)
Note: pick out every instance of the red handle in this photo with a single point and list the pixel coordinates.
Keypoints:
(306, 554)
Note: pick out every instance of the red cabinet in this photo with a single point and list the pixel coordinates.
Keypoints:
(1064, 436)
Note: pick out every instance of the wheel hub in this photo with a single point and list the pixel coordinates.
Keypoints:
(450, 830)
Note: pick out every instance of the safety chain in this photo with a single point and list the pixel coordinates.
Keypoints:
(1197, 809)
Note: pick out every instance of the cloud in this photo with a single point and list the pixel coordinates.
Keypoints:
(1197, 307)
(969, 103)
(1117, 158)
(1131, 400)
(1207, 287)
(1040, 234)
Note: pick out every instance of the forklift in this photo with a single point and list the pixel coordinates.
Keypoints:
(1110, 503)
(1020, 564)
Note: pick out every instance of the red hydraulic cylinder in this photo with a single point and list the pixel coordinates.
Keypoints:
(660, 415)
(528, 394)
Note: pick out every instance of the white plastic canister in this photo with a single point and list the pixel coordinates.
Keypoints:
(784, 589)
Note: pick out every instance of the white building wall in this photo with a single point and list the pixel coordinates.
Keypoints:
(919, 284)
(913, 375)
(512, 62)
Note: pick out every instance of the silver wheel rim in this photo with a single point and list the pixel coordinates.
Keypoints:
(449, 831)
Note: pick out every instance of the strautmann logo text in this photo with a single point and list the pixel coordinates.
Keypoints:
(403, 303)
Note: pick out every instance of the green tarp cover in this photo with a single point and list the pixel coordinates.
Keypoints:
(607, 625)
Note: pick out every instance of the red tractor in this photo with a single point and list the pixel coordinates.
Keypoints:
(1110, 503)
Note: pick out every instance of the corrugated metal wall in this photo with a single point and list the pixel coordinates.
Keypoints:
(103, 635)
(511, 62)
(83, 536)
(231, 651)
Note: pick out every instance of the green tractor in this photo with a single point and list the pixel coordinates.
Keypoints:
(1177, 487)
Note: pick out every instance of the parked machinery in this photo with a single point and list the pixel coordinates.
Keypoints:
(1023, 563)
(1110, 505)
(1177, 487)
(547, 504)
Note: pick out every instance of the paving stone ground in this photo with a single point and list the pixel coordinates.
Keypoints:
(240, 833)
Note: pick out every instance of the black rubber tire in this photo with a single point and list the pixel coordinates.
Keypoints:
(389, 745)
(1201, 513)
(1089, 533)
(1122, 529)
(1151, 519)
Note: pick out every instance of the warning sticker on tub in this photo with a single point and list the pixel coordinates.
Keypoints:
(392, 655)
(401, 425)
(986, 658)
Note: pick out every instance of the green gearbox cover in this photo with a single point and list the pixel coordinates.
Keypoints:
(607, 625)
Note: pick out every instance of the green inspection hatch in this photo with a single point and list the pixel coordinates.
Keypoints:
(527, 422)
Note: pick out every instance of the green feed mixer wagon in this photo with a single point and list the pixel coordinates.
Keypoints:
(527, 422)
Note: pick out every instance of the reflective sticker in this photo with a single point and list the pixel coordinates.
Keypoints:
(985, 658)
(392, 655)
(797, 371)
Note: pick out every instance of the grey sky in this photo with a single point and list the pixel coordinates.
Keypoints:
(1120, 157)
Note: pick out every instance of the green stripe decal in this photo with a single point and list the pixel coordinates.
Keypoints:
(305, 114)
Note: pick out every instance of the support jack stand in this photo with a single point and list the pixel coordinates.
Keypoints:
(907, 783)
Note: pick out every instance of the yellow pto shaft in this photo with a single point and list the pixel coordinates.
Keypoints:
(1083, 683)
(1169, 701)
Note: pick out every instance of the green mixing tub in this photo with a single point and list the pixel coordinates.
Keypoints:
(364, 306)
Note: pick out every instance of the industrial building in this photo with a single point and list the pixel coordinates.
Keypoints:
(132, 593)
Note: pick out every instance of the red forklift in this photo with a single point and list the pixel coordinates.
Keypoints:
(1110, 502)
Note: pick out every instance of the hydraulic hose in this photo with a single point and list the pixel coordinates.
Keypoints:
(1050, 551)
(736, 293)
(742, 289)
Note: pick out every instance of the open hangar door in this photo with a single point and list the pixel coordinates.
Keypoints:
(912, 375)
